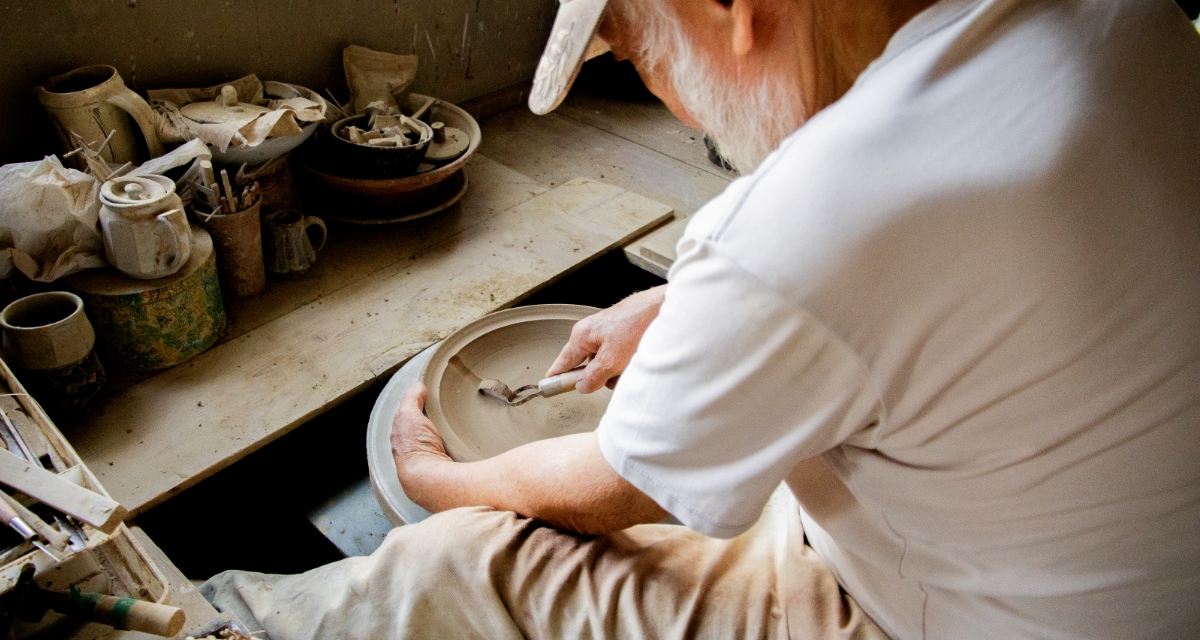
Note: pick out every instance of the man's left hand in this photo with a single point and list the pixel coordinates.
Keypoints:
(414, 439)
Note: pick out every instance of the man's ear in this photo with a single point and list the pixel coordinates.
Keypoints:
(742, 12)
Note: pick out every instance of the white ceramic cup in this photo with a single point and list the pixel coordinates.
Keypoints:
(46, 331)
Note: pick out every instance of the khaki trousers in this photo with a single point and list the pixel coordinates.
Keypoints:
(479, 573)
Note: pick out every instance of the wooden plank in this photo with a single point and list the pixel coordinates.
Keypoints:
(52, 490)
(647, 123)
(655, 251)
(554, 148)
(167, 433)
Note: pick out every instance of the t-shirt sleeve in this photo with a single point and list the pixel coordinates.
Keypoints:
(731, 386)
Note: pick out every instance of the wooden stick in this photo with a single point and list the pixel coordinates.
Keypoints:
(228, 187)
(73, 500)
(206, 173)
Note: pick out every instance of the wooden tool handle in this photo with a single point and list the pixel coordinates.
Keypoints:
(122, 613)
(560, 383)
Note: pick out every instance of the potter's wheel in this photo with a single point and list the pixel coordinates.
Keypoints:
(515, 346)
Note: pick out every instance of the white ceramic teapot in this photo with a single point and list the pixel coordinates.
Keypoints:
(146, 234)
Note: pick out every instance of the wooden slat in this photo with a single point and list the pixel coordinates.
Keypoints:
(167, 433)
(655, 251)
(55, 491)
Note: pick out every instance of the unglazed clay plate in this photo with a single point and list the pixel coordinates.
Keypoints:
(505, 342)
(514, 346)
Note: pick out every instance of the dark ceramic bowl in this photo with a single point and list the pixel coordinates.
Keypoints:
(374, 163)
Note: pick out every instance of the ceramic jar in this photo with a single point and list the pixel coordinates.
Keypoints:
(146, 233)
(94, 102)
(48, 341)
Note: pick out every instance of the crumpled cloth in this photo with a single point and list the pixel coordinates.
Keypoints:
(283, 120)
(376, 75)
(479, 573)
(49, 218)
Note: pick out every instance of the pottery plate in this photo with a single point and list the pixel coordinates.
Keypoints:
(514, 346)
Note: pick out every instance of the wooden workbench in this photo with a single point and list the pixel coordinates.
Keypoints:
(547, 195)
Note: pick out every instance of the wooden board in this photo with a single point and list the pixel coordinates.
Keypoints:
(655, 251)
(646, 123)
(164, 434)
(638, 145)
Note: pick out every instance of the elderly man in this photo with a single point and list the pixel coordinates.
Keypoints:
(954, 306)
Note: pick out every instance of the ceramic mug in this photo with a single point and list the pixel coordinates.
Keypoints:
(146, 233)
(50, 344)
(288, 243)
(93, 102)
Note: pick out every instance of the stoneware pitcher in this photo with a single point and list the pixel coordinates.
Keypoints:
(93, 102)
(146, 234)
(48, 341)
(288, 241)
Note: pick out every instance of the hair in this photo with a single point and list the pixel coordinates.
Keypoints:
(748, 122)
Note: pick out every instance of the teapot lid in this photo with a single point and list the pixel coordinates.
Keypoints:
(128, 190)
(225, 108)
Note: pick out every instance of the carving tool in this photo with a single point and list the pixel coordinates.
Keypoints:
(546, 388)
(12, 519)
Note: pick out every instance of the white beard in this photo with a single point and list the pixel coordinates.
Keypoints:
(747, 123)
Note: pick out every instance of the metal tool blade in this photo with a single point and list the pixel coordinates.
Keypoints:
(46, 550)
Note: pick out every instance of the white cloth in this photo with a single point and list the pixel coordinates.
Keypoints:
(972, 288)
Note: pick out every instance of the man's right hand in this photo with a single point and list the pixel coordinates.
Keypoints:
(609, 338)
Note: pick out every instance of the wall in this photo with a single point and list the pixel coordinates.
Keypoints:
(467, 47)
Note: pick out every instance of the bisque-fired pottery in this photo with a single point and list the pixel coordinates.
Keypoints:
(94, 102)
(146, 233)
(49, 343)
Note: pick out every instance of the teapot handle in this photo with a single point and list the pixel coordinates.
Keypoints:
(142, 114)
(313, 221)
(173, 226)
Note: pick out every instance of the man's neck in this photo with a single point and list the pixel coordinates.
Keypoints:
(839, 39)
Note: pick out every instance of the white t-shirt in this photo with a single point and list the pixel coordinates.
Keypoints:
(959, 312)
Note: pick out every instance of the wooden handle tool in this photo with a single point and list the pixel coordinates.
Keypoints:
(14, 520)
(122, 613)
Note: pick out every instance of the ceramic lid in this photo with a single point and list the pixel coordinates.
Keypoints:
(225, 108)
(134, 190)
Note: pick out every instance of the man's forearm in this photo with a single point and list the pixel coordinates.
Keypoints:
(563, 481)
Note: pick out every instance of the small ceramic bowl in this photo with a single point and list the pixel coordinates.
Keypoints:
(376, 163)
